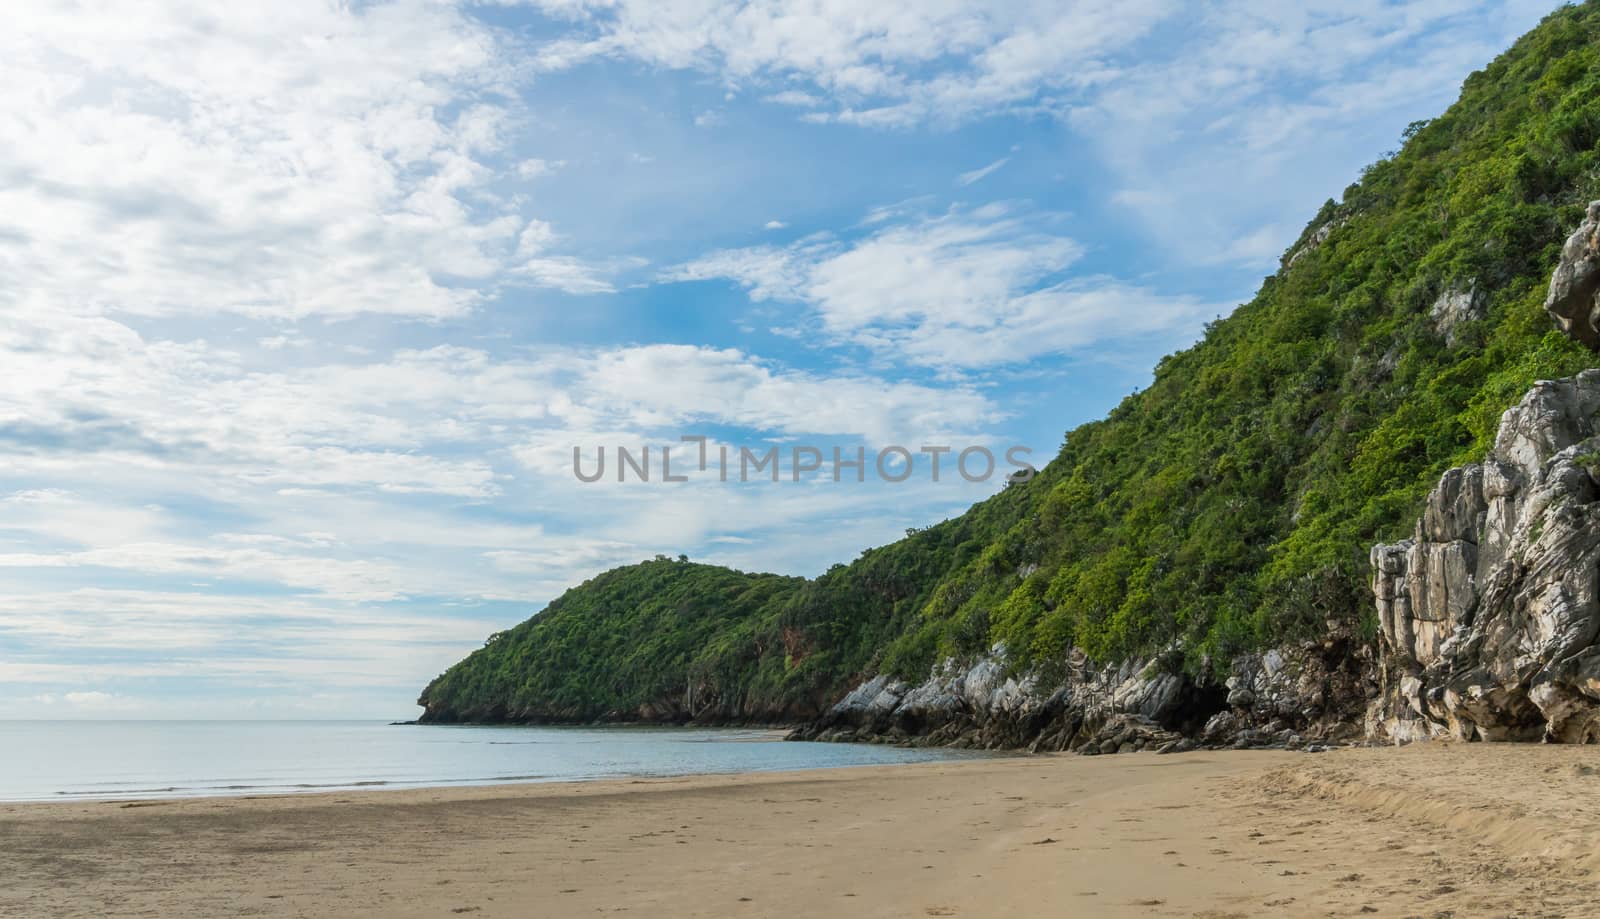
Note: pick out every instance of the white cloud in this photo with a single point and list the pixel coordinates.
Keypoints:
(880, 64)
(1176, 100)
(222, 440)
(796, 98)
(83, 391)
(774, 225)
(978, 175)
(534, 168)
(674, 385)
(565, 273)
(967, 289)
(1294, 96)
(106, 424)
(315, 159)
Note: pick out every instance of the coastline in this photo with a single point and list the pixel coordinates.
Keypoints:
(82, 761)
(1471, 829)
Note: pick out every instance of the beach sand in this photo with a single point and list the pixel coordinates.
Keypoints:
(1433, 830)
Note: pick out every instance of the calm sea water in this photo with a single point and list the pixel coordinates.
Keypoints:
(67, 760)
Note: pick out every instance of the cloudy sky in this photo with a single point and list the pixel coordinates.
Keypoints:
(304, 306)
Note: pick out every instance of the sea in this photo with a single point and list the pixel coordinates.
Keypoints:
(107, 760)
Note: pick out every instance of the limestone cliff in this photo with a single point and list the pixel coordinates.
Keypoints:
(1489, 615)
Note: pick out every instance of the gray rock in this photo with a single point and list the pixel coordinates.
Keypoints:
(1131, 706)
(1291, 695)
(1457, 305)
(1574, 298)
(1318, 237)
(1489, 618)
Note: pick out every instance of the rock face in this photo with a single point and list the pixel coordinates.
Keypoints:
(1318, 237)
(1457, 305)
(1490, 614)
(980, 706)
(1292, 698)
(1574, 299)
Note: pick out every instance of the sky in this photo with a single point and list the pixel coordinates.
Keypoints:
(304, 306)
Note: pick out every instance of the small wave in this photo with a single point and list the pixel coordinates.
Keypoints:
(101, 792)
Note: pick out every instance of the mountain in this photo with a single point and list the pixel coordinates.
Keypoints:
(1222, 514)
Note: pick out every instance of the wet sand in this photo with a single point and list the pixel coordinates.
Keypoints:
(1430, 831)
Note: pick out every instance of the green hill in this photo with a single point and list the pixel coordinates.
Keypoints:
(1227, 507)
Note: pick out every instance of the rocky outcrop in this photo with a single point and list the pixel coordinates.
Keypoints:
(1458, 305)
(1574, 299)
(1310, 693)
(1292, 698)
(1490, 614)
(981, 706)
(1315, 240)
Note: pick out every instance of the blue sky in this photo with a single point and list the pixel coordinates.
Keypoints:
(303, 306)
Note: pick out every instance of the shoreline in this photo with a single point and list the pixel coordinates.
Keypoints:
(1473, 830)
(244, 759)
(509, 786)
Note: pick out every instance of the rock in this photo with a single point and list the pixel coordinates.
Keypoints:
(1457, 305)
(1272, 662)
(1128, 707)
(1221, 727)
(1304, 693)
(1318, 237)
(1489, 619)
(1315, 690)
(1572, 300)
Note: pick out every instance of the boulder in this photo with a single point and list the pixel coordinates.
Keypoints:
(1574, 298)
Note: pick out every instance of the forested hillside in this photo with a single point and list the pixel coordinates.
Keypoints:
(1228, 506)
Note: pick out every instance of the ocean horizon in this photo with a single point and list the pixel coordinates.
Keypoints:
(80, 760)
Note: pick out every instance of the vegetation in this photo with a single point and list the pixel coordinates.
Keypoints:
(1229, 505)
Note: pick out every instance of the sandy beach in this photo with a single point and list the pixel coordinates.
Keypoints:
(1434, 831)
